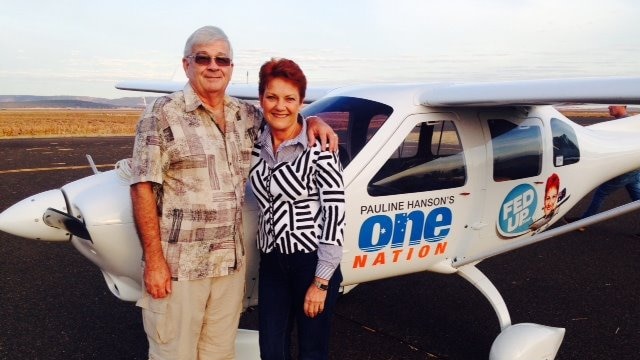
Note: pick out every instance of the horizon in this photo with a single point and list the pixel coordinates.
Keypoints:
(562, 107)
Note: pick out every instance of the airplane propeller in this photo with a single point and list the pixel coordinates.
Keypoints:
(61, 220)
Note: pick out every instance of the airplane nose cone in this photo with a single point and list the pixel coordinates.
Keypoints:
(24, 218)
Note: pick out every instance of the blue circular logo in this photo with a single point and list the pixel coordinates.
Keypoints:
(517, 210)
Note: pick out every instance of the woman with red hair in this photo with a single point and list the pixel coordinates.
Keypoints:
(300, 226)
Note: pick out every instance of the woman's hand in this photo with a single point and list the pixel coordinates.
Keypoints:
(314, 300)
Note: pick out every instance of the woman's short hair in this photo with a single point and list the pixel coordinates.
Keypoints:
(552, 182)
(284, 69)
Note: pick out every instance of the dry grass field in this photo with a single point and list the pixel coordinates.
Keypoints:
(577, 114)
(16, 123)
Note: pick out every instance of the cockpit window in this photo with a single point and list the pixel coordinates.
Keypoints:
(355, 120)
(430, 158)
(517, 150)
(565, 143)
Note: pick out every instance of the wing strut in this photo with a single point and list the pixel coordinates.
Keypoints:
(524, 241)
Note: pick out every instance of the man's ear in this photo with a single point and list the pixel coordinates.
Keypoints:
(185, 64)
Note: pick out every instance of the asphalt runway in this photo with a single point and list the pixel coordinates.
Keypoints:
(54, 303)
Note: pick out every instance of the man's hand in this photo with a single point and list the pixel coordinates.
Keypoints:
(157, 277)
(316, 127)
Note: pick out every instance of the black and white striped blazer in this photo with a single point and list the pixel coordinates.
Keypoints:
(301, 201)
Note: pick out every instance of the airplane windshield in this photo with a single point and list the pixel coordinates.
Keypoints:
(355, 120)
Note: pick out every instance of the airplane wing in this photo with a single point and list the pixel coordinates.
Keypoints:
(609, 90)
(164, 87)
(241, 91)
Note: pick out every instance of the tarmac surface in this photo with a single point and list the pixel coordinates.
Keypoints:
(54, 303)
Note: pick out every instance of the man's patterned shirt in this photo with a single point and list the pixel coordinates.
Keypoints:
(200, 175)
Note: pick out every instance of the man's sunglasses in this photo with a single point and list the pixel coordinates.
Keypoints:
(205, 60)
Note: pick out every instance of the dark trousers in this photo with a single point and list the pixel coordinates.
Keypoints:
(630, 180)
(284, 280)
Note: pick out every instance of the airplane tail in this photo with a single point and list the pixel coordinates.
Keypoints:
(627, 124)
(598, 152)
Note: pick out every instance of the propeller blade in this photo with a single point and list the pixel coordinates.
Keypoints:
(61, 220)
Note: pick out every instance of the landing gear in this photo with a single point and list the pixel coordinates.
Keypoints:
(525, 341)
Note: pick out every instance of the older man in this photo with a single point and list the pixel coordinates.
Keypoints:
(191, 159)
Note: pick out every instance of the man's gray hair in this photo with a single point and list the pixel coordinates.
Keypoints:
(205, 35)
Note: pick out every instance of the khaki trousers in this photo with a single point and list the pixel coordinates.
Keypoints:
(197, 321)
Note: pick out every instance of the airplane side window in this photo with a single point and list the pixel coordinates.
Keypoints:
(565, 143)
(517, 150)
(409, 147)
(430, 158)
(445, 140)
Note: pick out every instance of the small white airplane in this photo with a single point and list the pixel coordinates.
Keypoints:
(437, 178)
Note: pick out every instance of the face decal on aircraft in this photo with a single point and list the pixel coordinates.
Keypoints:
(520, 213)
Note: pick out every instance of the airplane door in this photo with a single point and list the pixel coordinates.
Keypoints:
(515, 179)
(407, 205)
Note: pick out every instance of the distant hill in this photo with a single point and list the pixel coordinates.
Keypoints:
(75, 102)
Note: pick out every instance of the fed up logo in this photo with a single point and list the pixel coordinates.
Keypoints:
(516, 212)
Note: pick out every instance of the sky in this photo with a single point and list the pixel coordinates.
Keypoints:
(84, 47)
